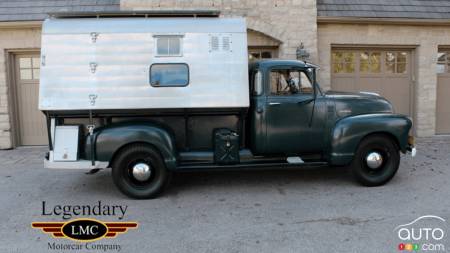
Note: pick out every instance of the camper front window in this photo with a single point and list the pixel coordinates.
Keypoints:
(169, 74)
(168, 45)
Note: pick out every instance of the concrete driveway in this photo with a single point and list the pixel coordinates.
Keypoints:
(321, 210)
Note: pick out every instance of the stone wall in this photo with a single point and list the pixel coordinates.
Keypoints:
(12, 39)
(290, 21)
(425, 40)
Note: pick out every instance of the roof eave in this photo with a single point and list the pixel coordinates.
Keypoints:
(383, 21)
(20, 24)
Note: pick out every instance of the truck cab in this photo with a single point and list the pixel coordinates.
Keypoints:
(284, 94)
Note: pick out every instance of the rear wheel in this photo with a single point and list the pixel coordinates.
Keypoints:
(140, 172)
(376, 161)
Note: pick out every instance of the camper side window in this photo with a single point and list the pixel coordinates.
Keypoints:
(169, 74)
(168, 45)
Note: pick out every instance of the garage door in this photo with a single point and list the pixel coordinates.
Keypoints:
(387, 72)
(443, 93)
(31, 122)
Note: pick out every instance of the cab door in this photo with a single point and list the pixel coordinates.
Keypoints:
(288, 113)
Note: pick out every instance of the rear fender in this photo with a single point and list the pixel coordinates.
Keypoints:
(110, 139)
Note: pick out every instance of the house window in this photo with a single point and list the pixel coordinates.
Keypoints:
(169, 74)
(370, 62)
(396, 62)
(29, 68)
(262, 53)
(168, 45)
(443, 62)
(343, 62)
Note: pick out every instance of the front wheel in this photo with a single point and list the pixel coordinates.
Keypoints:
(139, 172)
(376, 161)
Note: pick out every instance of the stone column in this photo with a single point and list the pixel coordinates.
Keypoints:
(425, 88)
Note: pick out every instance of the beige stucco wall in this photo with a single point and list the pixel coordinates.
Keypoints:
(425, 39)
(289, 21)
(12, 39)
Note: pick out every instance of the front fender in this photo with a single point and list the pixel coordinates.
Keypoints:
(108, 140)
(348, 133)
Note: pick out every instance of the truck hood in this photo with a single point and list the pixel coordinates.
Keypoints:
(355, 103)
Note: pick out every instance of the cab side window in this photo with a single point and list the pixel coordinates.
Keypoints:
(284, 82)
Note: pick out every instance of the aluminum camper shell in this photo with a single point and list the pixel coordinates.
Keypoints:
(99, 64)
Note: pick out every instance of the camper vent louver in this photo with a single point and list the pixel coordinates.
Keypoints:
(214, 43)
(226, 43)
(220, 43)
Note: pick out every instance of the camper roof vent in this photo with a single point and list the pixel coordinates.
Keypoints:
(144, 13)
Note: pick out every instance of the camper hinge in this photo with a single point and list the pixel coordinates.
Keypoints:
(93, 67)
(92, 98)
(94, 36)
(91, 128)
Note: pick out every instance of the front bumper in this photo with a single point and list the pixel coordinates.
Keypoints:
(411, 148)
(412, 151)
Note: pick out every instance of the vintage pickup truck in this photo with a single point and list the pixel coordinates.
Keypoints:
(147, 97)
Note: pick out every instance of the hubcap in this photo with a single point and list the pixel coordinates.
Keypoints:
(141, 171)
(374, 160)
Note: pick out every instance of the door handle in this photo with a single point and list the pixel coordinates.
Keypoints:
(274, 103)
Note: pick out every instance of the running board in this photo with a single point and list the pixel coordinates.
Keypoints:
(250, 166)
(294, 160)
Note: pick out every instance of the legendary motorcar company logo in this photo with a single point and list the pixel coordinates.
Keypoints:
(84, 229)
(425, 233)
